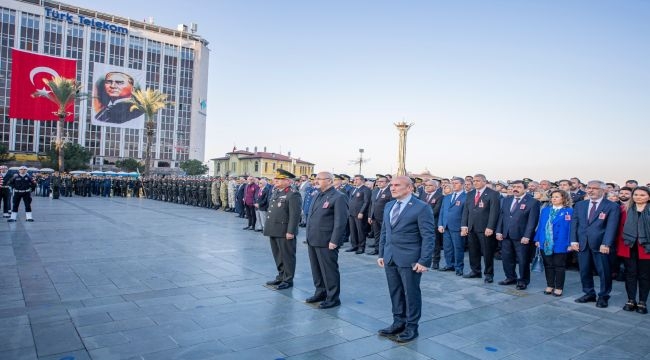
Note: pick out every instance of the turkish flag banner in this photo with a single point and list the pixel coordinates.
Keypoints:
(28, 70)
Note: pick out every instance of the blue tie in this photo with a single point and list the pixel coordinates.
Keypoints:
(394, 214)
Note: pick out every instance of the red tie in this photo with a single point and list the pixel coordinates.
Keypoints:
(478, 196)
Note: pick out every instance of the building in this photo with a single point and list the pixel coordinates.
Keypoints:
(259, 164)
(172, 61)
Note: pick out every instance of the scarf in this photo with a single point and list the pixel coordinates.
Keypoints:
(548, 241)
(637, 227)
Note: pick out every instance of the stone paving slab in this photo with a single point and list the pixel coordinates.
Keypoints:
(98, 278)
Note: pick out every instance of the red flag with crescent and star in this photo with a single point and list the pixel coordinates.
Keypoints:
(28, 70)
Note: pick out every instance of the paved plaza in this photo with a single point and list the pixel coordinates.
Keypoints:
(97, 278)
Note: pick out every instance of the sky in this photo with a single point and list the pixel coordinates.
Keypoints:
(512, 89)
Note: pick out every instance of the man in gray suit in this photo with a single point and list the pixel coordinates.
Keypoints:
(281, 227)
(405, 251)
(326, 222)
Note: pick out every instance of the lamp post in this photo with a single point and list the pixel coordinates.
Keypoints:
(360, 160)
(403, 128)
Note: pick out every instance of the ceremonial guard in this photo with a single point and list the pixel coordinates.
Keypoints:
(282, 228)
(23, 185)
(5, 191)
(56, 185)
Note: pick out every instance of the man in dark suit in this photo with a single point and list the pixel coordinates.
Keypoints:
(405, 246)
(326, 222)
(479, 221)
(593, 232)
(515, 229)
(432, 195)
(577, 194)
(380, 197)
(451, 213)
(282, 228)
(359, 205)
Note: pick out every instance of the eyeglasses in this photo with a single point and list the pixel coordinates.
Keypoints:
(323, 179)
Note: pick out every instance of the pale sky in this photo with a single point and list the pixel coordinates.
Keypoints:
(513, 89)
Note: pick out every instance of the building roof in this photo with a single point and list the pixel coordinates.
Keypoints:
(273, 156)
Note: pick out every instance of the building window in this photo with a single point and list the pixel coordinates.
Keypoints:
(218, 167)
(273, 166)
(257, 166)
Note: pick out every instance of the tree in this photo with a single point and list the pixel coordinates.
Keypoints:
(130, 165)
(77, 157)
(5, 156)
(63, 93)
(149, 101)
(194, 167)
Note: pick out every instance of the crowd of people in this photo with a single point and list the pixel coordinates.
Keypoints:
(602, 228)
(414, 225)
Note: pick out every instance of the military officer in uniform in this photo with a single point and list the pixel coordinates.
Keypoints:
(5, 191)
(281, 227)
(23, 185)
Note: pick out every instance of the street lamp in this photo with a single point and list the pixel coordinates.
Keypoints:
(360, 160)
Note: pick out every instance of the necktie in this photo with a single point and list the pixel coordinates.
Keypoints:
(515, 203)
(592, 211)
(379, 193)
(429, 197)
(394, 214)
(453, 199)
(478, 196)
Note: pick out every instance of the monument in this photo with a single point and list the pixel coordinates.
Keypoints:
(403, 128)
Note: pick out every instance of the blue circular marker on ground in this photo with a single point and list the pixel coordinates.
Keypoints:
(67, 358)
(359, 301)
(491, 349)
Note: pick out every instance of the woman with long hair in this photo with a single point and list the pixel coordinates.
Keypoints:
(634, 247)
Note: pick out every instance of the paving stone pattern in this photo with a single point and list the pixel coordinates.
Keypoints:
(97, 278)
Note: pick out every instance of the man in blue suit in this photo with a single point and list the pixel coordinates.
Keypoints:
(593, 232)
(451, 214)
(405, 251)
(515, 229)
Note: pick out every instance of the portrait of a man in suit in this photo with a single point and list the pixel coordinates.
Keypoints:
(112, 95)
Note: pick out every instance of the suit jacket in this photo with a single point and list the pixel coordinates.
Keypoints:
(522, 221)
(360, 201)
(379, 202)
(283, 213)
(412, 238)
(561, 229)
(262, 198)
(435, 202)
(118, 113)
(601, 230)
(483, 215)
(452, 213)
(327, 219)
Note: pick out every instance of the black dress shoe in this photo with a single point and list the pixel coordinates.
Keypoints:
(273, 282)
(602, 302)
(360, 251)
(459, 273)
(315, 298)
(283, 285)
(374, 252)
(329, 304)
(585, 299)
(406, 336)
(30, 220)
(507, 282)
(392, 330)
(11, 220)
(489, 279)
(630, 306)
(435, 266)
(351, 249)
(472, 275)
(448, 268)
(641, 308)
(521, 286)
(246, 228)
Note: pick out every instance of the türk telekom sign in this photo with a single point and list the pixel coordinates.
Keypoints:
(84, 20)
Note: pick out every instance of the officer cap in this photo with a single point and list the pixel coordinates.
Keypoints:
(312, 177)
(418, 180)
(527, 180)
(22, 167)
(338, 177)
(284, 174)
(345, 176)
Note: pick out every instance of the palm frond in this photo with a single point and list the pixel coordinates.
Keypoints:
(63, 92)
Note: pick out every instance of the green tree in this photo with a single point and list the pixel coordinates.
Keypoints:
(77, 157)
(5, 156)
(63, 93)
(130, 165)
(194, 167)
(149, 101)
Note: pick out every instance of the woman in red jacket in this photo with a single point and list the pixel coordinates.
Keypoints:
(634, 247)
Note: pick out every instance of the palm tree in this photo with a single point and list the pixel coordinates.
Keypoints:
(149, 101)
(63, 92)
